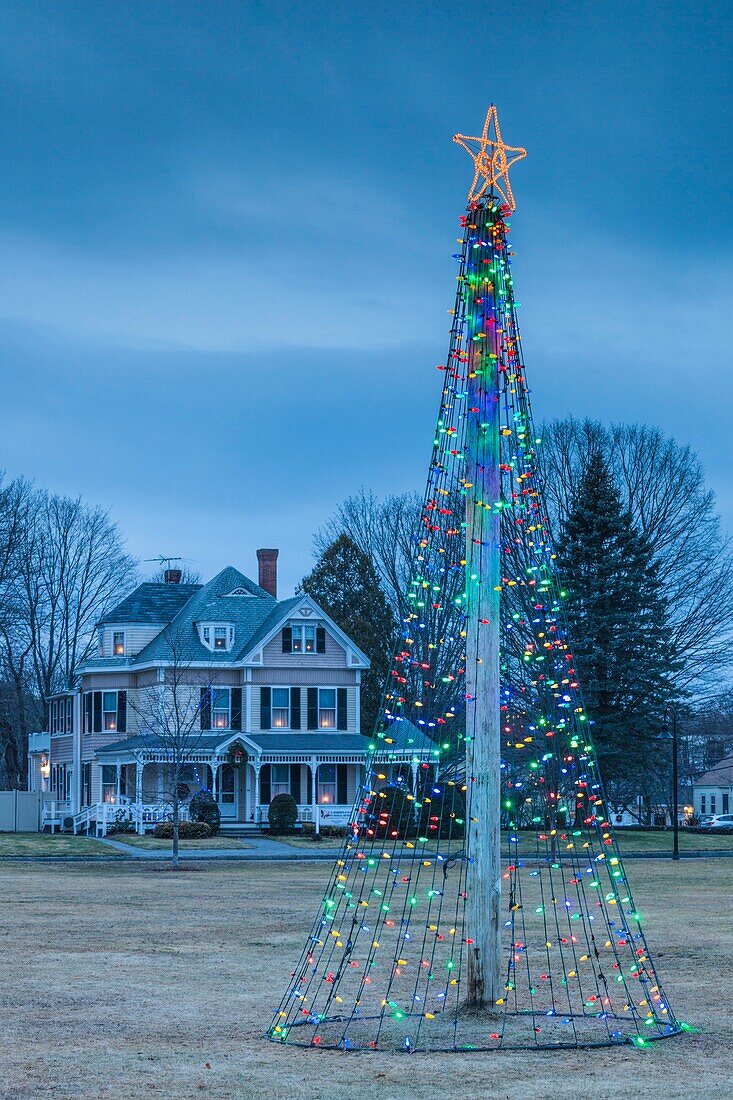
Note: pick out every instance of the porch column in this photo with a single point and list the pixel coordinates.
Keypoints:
(118, 779)
(214, 779)
(257, 764)
(314, 795)
(415, 766)
(139, 794)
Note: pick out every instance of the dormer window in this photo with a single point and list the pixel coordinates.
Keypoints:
(118, 643)
(218, 637)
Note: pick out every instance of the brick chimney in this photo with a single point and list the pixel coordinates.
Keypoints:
(172, 576)
(267, 561)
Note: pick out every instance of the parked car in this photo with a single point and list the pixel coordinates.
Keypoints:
(718, 823)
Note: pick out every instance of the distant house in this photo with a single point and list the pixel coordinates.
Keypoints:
(712, 793)
(275, 685)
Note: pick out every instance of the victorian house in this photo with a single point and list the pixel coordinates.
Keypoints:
(266, 697)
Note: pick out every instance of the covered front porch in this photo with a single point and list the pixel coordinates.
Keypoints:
(243, 773)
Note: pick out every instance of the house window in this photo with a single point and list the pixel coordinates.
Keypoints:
(281, 708)
(118, 643)
(279, 779)
(109, 710)
(220, 712)
(105, 711)
(327, 784)
(712, 803)
(726, 803)
(69, 714)
(327, 708)
(304, 638)
(703, 803)
(217, 636)
(109, 783)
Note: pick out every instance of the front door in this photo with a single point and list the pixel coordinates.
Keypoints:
(228, 792)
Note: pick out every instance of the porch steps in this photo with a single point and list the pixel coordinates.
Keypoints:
(241, 828)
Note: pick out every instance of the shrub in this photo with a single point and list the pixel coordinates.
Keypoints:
(443, 812)
(282, 814)
(203, 807)
(391, 814)
(187, 830)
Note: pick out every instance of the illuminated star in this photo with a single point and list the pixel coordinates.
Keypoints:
(491, 163)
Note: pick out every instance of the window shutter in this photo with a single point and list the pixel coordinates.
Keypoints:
(236, 708)
(342, 784)
(122, 712)
(50, 723)
(341, 712)
(312, 708)
(265, 785)
(265, 709)
(295, 781)
(205, 709)
(287, 639)
(320, 639)
(97, 727)
(295, 708)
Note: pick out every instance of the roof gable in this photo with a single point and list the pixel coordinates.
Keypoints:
(289, 609)
(212, 602)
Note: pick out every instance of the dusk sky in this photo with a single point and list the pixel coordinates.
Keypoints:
(227, 232)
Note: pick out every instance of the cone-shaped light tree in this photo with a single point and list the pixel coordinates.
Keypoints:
(479, 901)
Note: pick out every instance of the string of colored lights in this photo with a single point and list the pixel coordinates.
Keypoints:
(384, 965)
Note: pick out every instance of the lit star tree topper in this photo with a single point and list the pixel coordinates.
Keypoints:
(491, 162)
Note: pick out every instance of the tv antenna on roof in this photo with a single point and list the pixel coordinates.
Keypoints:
(161, 560)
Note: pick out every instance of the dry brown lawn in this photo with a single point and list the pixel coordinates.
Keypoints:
(129, 980)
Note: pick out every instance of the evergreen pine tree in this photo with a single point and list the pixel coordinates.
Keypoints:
(345, 584)
(616, 618)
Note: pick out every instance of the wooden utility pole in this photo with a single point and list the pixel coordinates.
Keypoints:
(483, 795)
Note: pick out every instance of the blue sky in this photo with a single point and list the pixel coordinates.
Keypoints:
(226, 232)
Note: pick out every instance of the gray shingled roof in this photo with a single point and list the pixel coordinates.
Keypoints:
(406, 738)
(151, 603)
(719, 776)
(211, 603)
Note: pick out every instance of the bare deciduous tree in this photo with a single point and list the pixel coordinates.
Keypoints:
(168, 718)
(62, 565)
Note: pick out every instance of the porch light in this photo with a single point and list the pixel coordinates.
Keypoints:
(45, 766)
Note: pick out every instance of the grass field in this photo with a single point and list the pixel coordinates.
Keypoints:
(156, 844)
(133, 980)
(630, 840)
(45, 844)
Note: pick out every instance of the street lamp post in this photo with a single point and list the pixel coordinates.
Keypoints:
(667, 736)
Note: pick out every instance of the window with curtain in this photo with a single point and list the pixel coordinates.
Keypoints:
(280, 708)
(279, 779)
(109, 783)
(109, 710)
(327, 785)
(327, 708)
(220, 709)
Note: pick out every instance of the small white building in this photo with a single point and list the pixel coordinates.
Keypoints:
(712, 793)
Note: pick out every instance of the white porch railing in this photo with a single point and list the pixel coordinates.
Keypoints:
(53, 813)
(100, 817)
